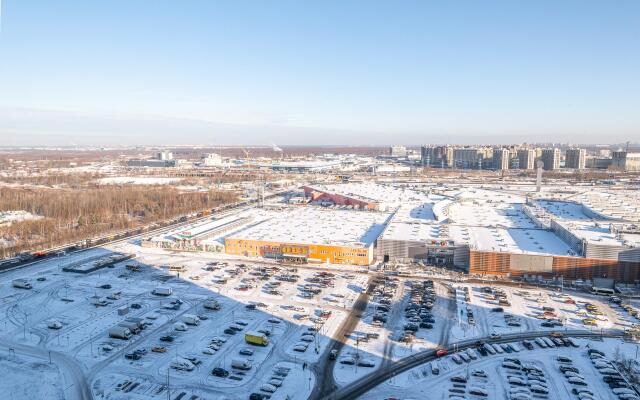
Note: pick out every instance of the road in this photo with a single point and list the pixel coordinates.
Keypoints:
(370, 381)
(323, 368)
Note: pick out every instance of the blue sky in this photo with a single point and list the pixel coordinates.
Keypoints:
(325, 72)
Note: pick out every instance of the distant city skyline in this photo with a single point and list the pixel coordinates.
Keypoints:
(340, 73)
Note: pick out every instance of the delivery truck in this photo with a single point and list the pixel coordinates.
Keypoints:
(21, 284)
(256, 338)
(162, 291)
(132, 326)
(120, 332)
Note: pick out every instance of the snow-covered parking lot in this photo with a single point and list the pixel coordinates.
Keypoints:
(180, 338)
(188, 314)
(582, 371)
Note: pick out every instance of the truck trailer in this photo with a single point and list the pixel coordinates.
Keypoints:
(256, 338)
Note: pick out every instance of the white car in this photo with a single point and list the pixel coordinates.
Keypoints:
(275, 382)
(182, 364)
(300, 348)
(209, 351)
(514, 380)
(268, 388)
(348, 361)
(54, 324)
(366, 363)
(539, 389)
(179, 326)
(511, 365)
(472, 354)
(480, 392)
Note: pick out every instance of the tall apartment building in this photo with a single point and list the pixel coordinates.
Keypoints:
(466, 157)
(437, 156)
(164, 155)
(575, 158)
(398, 151)
(550, 158)
(212, 160)
(526, 158)
(625, 161)
(501, 159)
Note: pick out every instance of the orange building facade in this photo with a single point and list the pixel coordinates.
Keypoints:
(572, 268)
(312, 253)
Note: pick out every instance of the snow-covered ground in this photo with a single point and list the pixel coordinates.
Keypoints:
(67, 298)
(27, 378)
(137, 180)
(83, 346)
(8, 217)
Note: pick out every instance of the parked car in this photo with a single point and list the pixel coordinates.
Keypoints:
(220, 372)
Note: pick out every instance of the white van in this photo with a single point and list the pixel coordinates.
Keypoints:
(241, 364)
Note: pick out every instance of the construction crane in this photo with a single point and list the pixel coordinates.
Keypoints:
(246, 152)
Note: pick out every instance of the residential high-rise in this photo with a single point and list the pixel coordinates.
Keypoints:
(164, 155)
(501, 159)
(550, 158)
(575, 158)
(437, 156)
(526, 158)
(398, 151)
(467, 157)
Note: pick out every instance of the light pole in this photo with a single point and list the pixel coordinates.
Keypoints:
(168, 385)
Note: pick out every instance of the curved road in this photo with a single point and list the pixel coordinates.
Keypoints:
(370, 381)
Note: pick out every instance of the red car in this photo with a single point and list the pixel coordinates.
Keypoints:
(441, 353)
